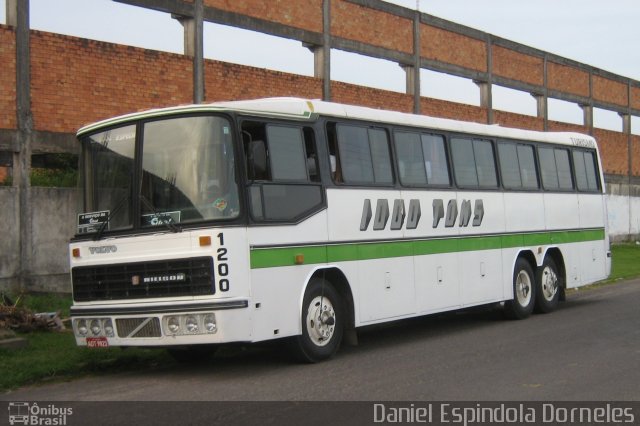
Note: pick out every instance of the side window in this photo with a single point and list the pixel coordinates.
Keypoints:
(422, 159)
(474, 163)
(287, 157)
(517, 166)
(509, 167)
(485, 163)
(555, 169)
(435, 160)
(278, 153)
(282, 170)
(380, 156)
(464, 163)
(585, 169)
(355, 154)
(565, 180)
(548, 168)
(359, 155)
(528, 171)
(410, 160)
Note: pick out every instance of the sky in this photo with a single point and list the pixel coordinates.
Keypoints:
(596, 32)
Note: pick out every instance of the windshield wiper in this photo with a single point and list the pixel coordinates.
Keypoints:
(163, 218)
(117, 208)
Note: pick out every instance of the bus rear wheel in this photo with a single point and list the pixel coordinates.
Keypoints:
(524, 294)
(322, 323)
(548, 286)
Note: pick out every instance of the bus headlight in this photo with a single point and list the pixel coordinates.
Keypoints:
(173, 325)
(95, 327)
(210, 323)
(192, 324)
(108, 328)
(82, 328)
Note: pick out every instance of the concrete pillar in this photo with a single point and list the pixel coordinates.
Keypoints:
(626, 129)
(542, 109)
(318, 59)
(626, 122)
(194, 47)
(322, 53)
(189, 27)
(486, 98)
(587, 111)
(326, 50)
(412, 77)
(198, 53)
(541, 104)
(22, 167)
(486, 95)
(12, 12)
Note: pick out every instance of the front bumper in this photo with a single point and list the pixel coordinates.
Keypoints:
(210, 322)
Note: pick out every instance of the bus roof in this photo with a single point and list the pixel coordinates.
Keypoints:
(307, 109)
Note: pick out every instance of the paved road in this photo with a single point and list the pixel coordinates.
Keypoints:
(589, 349)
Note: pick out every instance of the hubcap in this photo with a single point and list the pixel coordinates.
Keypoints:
(321, 320)
(523, 288)
(549, 283)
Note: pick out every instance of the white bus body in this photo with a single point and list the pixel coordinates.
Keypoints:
(351, 241)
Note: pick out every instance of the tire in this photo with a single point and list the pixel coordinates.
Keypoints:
(548, 286)
(524, 291)
(197, 354)
(322, 321)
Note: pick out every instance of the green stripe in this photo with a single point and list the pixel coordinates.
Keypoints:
(269, 257)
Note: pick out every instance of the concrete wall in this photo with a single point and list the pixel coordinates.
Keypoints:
(54, 213)
(10, 241)
(623, 206)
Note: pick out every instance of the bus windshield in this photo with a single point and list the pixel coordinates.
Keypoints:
(185, 174)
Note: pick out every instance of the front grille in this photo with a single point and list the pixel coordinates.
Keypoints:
(138, 327)
(142, 280)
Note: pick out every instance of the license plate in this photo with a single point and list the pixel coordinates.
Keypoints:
(97, 342)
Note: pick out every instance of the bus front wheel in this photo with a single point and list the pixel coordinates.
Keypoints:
(524, 294)
(322, 322)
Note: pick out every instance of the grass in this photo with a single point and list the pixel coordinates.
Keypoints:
(40, 302)
(54, 178)
(626, 261)
(55, 356)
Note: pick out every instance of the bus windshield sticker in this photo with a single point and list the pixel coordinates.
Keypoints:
(220, 204)
(91, 222)
(157, 219)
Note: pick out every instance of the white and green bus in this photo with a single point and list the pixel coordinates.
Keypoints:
(290, 218)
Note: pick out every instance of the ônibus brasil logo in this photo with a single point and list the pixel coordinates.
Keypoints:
(26, 413)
